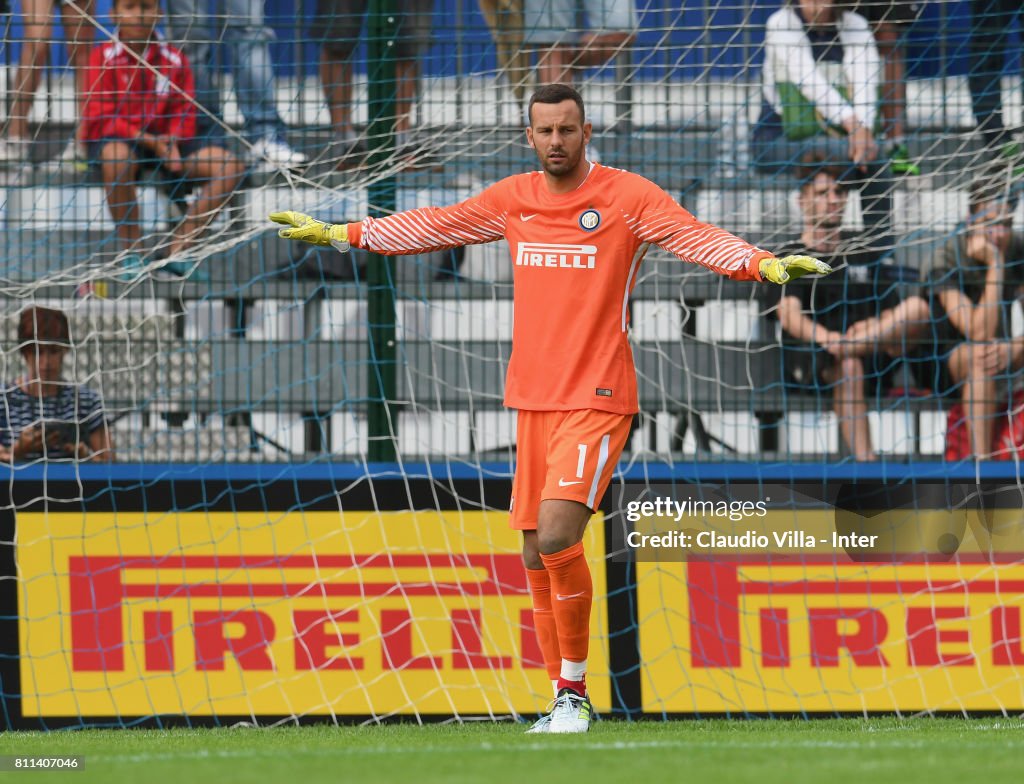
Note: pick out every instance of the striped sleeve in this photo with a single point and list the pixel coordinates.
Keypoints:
(474, 221)
(7, 434)
(90, 414)
(662, 222)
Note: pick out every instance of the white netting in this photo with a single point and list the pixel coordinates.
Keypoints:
(231, 346)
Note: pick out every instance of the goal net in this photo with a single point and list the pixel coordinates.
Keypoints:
(275, 479)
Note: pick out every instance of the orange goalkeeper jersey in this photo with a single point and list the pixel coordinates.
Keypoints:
(575, 260)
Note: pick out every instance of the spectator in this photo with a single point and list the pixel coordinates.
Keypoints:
(854, 320)
(337, 25)
(889, 20)
(242, 28)
(550, 26)
(505, 21)
(35, 52)
(43, 416)
(973, 280)
(820, 80)
(991, 22)
(140, 113)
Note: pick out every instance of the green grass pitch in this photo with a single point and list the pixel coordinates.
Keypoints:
(762, 751)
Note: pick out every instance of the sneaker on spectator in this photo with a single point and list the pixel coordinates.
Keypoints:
(415, 151)
(275, 152)
(73, 158)
(181, 265)
(350, 152)
(133, 267)
(186, 269)
(1013, 153)
(900, 161)
(15, 152)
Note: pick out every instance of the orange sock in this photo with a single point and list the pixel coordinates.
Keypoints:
(573, 594)
(544, 620)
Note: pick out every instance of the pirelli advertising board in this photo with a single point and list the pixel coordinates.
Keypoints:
(235, 613)
(228, 599)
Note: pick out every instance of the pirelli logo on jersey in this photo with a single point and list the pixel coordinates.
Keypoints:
(552, 254)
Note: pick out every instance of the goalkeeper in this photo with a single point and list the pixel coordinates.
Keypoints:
(577, 233)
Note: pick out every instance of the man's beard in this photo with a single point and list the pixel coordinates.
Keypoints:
(565, 166)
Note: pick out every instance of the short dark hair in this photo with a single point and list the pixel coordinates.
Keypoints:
(992, 184)
(556, 93)
(36, 324)
(814, 163)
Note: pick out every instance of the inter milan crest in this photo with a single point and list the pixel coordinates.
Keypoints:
(590, 220)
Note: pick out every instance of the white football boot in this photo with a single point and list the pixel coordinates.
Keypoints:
(542, 725)
(572, 713)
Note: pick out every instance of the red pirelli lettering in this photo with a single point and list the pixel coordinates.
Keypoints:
(847, 627)
(316, 631)
(99, 585)
(250, 648)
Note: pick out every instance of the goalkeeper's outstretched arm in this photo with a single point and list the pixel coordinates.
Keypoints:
(660, 220)
(476, 221)
(422, 230)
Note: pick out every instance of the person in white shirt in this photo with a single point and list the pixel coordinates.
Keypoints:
(821, 99)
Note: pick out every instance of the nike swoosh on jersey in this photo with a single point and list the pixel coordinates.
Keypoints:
(525, 218)
(562, 598)
(563, 483)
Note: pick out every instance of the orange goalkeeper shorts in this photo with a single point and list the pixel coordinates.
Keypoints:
(567, 455)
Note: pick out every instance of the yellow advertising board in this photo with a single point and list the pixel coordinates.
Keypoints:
(821, 631)
(279, 614)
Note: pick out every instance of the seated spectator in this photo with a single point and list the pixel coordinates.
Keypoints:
(973, 280)
(551, 26)
(43, 416)
(139, 113)
(821, 89)
(843, 332)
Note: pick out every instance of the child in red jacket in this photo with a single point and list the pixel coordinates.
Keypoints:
(139, 111)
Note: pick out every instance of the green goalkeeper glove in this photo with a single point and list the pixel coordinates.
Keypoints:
(790, 268)
(311, 230)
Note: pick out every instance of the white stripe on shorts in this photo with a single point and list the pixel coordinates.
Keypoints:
(602, 458)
